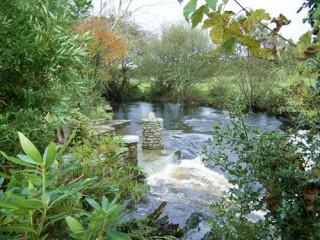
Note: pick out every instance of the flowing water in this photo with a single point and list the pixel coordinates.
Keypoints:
(186, 184)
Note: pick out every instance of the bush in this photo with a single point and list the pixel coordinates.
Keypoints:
(31, 122)
(50, 188)
(270, 174)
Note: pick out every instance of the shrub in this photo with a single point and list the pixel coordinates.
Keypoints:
(269, 174)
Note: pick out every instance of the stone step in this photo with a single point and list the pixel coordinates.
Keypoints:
(98, 122)
(119, 123)
(103, 130)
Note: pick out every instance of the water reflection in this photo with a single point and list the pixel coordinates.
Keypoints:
(187, 128)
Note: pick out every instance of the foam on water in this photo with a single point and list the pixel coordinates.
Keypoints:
(192, 175)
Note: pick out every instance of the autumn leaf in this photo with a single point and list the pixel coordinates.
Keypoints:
(217, 26)
(252, 43)
(310, 52)
(254, 18)
(303, 44)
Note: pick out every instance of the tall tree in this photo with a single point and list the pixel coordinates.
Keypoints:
(175, 60)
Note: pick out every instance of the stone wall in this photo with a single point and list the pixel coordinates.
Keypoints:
(129, 153)
(152, 132)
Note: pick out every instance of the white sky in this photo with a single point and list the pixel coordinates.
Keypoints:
(150, 14)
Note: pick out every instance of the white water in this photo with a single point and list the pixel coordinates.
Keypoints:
(190, 174)
(190, 177)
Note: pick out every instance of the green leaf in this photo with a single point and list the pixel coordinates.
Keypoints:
(229, 45)
(18, 228)
(74, 225)
(208, 23)
(115, 235)
(5, 205)
(303, 43)
(94, 204)
(212, 4)
(216, 35)
(15, 160)
(189, 8)
(105, 203)
(54, 218)
(7, 220)
(197, 16)
(27, 159)
(29, 204)
(29, 148)
(3, 175)
(316, 13)
(50, 154)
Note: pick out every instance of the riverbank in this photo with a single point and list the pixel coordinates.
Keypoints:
(282, 98)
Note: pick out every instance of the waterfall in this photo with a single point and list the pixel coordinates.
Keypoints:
(160, 164)
(189, 175)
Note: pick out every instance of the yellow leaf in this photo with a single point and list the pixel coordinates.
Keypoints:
(254, 18)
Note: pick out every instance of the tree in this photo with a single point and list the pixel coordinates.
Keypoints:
(40, 55)
(106, 46)
(119, 87)
(40, 62)
(175, 60)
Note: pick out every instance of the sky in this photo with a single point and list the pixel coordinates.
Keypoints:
(151, 14)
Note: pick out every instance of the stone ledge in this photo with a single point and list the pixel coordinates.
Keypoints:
(130, 139)
(146, 120)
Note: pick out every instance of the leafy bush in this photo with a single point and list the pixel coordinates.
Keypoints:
(100, 222)
(31, 193)
(98, 159)
(270, 174)
(42, 190)
(41, 56)
(29, 121)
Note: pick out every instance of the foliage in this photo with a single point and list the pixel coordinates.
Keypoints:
(80, 123)
(41, 57)
(100, 221)
(269, 174)
(175, 61)
(228, 30)
(105, 49)
(32, 193)
(120, 86)
(98, 159)
(220, 91)
(39, 65)
(40, 191)
(301, 105)
(23, 120)
(254, 84)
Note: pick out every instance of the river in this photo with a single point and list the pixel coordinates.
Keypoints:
(186, 184)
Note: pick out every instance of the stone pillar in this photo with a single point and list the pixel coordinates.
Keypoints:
(131, 142)
(152, 132)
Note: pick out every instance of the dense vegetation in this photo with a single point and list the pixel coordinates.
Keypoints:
(58, 65)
